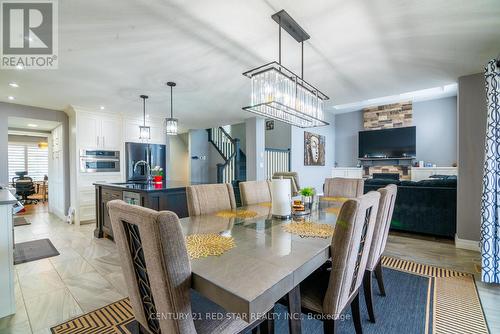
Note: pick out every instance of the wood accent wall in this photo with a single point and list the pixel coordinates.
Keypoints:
(388, 116)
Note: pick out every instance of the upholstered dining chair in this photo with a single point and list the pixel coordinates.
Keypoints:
(204, 199)
(343, 187)
(380, 234)
(254, 192)
(293, 177)
(330, 292)
(157, 272)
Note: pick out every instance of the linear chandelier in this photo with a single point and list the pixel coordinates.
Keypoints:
(280, 94)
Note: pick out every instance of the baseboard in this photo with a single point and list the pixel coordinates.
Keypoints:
(467, 244)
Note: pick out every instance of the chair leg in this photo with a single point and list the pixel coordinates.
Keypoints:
(356, 316)
(267, 327)
(367, 286)
(380, 277)
(329, 326)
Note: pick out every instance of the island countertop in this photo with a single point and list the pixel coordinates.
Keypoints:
(142, 186)
(6, 197)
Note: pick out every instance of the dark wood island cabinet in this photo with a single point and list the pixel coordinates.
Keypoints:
(169, 195)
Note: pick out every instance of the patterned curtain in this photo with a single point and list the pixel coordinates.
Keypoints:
(490, 205)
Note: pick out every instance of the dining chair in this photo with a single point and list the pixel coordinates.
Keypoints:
(293, 177)
(380, 234)
(343, 187)
(205, 199)
(157, 272)
(254, 192)
(330, 292)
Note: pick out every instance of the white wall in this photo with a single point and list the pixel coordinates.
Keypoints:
(313, 176)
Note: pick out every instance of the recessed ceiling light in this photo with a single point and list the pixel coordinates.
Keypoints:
(31, 125)
(101, 107)
(11, 98)
(19, 67)
(13, 84)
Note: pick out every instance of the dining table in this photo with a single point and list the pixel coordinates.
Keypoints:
(266, 264)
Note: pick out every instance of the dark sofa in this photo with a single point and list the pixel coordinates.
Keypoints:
(428, 206)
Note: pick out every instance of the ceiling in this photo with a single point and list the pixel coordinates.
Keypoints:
(31, 124)
(112, 51)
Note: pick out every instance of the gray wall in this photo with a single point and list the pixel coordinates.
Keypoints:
(239, 131)
(280, 137)
(17, 110)
(347, 127)
(472, 114)
(199, 146)
(313, 176)
(436, 123)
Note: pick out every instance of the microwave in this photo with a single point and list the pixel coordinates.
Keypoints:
(96, 161)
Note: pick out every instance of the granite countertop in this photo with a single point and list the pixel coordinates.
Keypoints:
(6, 197)
(141, 186)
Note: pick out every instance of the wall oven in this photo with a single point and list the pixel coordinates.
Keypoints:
(96, 161)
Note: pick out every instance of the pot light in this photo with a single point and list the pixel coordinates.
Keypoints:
(31, 125)
(13, 84)
(101, 107)
(19, 67)
(11, 98)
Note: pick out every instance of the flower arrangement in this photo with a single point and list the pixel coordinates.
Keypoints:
(157, 171)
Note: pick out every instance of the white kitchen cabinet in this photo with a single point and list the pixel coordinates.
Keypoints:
(348, 172)
(98, 131)
(422, 173)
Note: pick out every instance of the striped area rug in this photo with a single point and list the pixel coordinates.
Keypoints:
(455, 306)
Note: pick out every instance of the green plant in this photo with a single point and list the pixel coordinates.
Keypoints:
(307, 191)
(157, 171)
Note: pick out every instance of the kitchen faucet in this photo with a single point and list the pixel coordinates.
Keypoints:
(149, 178)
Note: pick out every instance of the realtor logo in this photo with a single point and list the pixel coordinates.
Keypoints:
(29, 34)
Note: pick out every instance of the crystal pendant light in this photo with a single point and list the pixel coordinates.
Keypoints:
(280, 94)
(171, 122)
(144, 131)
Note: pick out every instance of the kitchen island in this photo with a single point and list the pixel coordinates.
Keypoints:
(168, 195)
(7, 298)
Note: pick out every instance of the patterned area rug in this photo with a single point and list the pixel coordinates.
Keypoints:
(420, 299)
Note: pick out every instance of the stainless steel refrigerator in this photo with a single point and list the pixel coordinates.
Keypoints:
(153, 154)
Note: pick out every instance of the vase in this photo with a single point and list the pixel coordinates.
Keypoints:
(308, 201)
(157, 178)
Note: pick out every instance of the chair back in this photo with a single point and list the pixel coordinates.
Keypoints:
(156, 266)
(24, 185)
(343, 187)
(294, 179)
(382, 224)
(254, 192)
(350, 249)
(205, 199)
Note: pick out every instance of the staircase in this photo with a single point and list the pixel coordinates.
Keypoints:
(234, 166)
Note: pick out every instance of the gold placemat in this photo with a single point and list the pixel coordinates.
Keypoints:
(334, 199)
(236, 214)
(308, 229)
(334, 210)
(265, 204)
(203, 245)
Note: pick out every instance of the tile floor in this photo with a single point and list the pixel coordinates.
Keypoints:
(87, 274)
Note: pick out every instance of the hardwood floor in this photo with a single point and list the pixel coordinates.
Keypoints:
(87, 274)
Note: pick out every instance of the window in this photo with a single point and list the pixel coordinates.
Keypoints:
(28, 157)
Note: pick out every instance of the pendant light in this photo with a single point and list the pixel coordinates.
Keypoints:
(144, 131)
(171, 122)
(280, 94)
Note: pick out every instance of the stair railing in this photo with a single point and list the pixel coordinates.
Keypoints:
(277, 160)
(229, 149)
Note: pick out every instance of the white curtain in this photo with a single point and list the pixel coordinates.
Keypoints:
(490, 205)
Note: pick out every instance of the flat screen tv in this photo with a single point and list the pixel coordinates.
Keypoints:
(388, 143)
